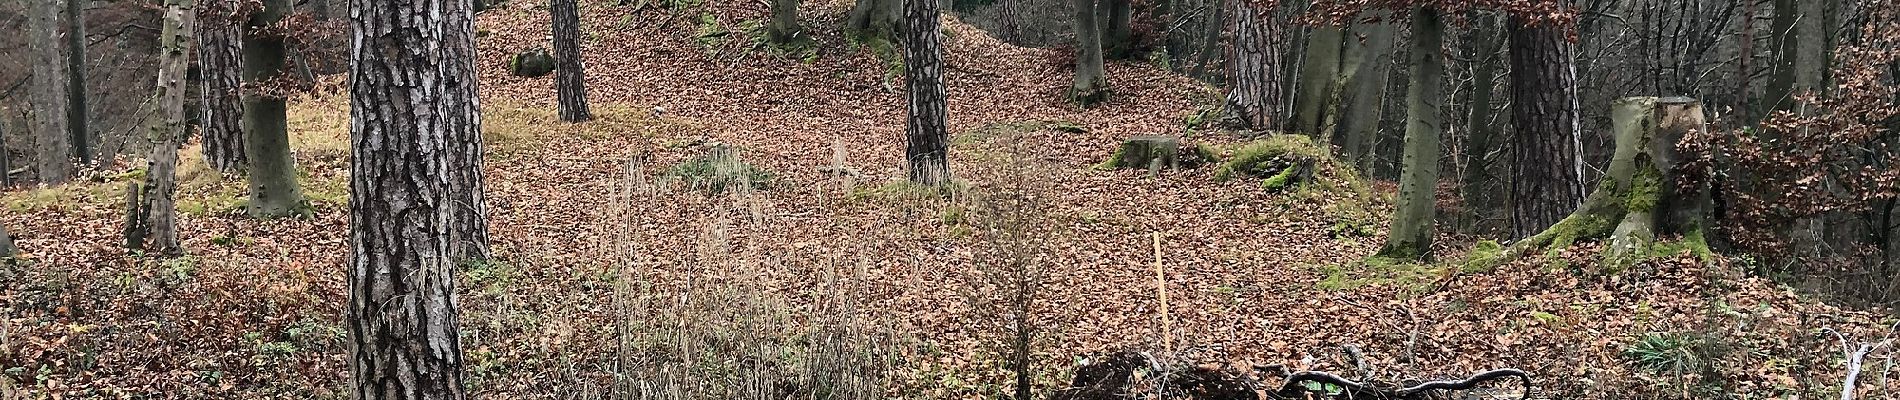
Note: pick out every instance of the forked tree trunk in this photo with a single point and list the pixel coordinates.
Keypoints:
(1364, 73)
(402, 318)
(784, 28)
(168, 132)
(221, 113)
(1546, 167)
(1411, 231)
(1318, 73)
(76, 113)
(49, 91)
(272, 173)
(1091, 79)
(1256, 97)
(925, 131)
(570, 78)
(1638, 197)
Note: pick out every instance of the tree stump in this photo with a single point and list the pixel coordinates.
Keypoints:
(534, 63)
(1153, 152)
(1638, 197)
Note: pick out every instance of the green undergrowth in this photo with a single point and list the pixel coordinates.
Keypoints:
(1409, 277)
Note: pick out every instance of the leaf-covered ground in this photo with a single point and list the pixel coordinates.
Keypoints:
(585, 217)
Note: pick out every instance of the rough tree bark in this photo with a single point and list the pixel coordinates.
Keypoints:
(876, 19)
(1546, 166)
(1412, 223)
(159, 222)
(1480, 190)
(458, 88)
(1318, 73)
(1118, 33)
(1256, 96)
(76, 113)
(784, 28)
(1364, 73)
(570, 77)
(273, 173)
(925, 131)
(409, 120)
(48, 90)
(221, 113)
(1091, 79)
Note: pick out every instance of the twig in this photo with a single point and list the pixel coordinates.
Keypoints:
(1161, 287)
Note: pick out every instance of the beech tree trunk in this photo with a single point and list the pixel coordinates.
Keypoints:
(1480, 190)
(48, 90)
(221, 111)
(76, 113)
(1091, 78)
(273, 173)
(168, 131)
(1317, 76)
(925, 131)
(784, 28)
(1546, 167)
(1118, 34)
(1411, 232)
(874, 18)
(1256, 96)
(404, 219)
(570, 77)
(1785, 39)
(1364, 73)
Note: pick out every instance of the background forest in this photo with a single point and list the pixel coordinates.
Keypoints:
(1027, 199)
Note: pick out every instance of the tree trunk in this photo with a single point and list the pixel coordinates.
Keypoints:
(464, 121)
(404, 240)
(1255, 94)
(570, 77)
(7, 250)
(273, 173)
(784, 28)
(1412, 223)
(925, 131)
(1364, 72)
(1118, 35)
(1784, 37)
(221, 113)
(76, 113)
(1546, 167)
(1091, 79)
(168, 131)
(1480, 189)
(1317, 75)
(49, 92)
(875, 19)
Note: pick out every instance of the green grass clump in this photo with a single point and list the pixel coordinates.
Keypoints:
(714, 173)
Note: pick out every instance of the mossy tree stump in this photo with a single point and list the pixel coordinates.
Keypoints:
(1638, 197)
(1154, 152)
(1281, 160)
(534, 63)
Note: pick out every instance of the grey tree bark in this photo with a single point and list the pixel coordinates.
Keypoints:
(76, 113)
(926, 132)
(1364, 72)
(7, 250)
(1118, 33)
(404, 221)
(48, 89)
(1256, 96)
(273, 173)
(1410, 236)
(464, 125)
(167, 133)
(570, 77)
(1784, 37)
(875, 19)
(1480, 190)
(1318, 72)
(1546, 166)
(1091, 78)
(220, 61)
(784, 28)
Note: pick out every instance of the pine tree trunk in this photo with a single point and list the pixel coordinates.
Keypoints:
(76, 113)
(1118, 35)
(464, 125)
(1365, 72)
(1317, 75)
(1546, 167)
(1412, 223)
(925, 131)
(1091, 79)
(48, 90)
(784, 28)
(273, 173)
(570, 77)
(402, 318)
(221, 111)
(1480, 190)
(1255, 94)
(168, 131)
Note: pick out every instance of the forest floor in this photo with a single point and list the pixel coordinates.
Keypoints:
(598, 245)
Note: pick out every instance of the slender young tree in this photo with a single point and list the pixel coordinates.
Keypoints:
(784, 28)
(570, 78)
(273, 173)
(411, 86)
(925, 131)
(1256, 97)
(1091, 78)
(76, 113)
(220, 111)
(159, 221)
(1412, 223)
(49, 90)
(1546, 167)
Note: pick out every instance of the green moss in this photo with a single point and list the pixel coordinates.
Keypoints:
(1266, 157)
(1280, 180)
(1482, 257)
(1692, 242)
(1573, 228)
(1645, 190)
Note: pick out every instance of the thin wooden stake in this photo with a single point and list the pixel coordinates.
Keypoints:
(1161, 287)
